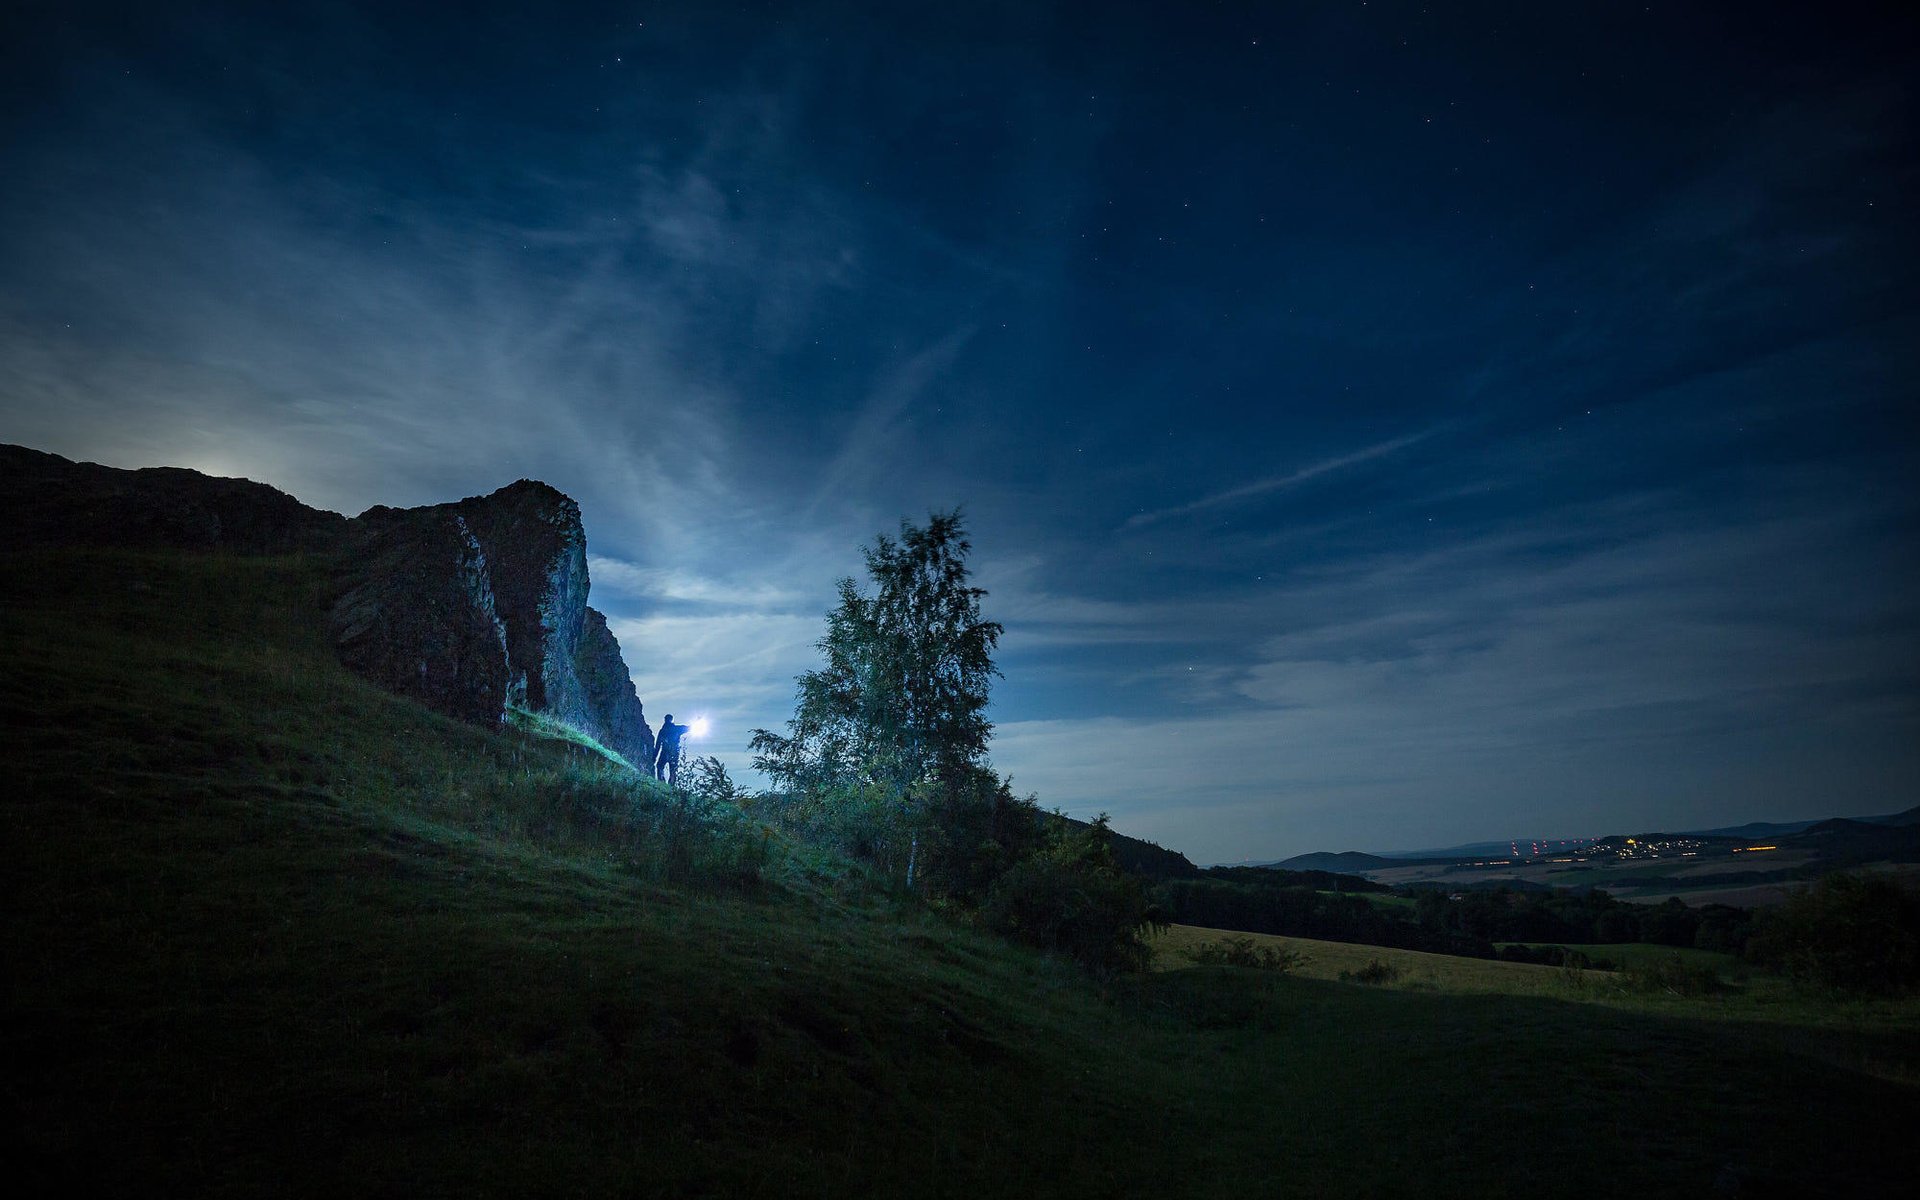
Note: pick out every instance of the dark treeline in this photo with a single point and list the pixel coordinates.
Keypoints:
(1503, 915)
(1347, 908)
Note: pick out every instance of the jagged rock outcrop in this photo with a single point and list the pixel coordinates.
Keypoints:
(418, 617)
(560, 657)
(468, 607)
(538, 556)
(53, 501)
(609, 692)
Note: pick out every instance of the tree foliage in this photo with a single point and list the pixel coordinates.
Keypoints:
(902, 698)
(885, 759)
(889, 736)
(1846, 933)
(707, 777)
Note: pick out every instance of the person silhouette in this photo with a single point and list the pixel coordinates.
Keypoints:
(666, 751)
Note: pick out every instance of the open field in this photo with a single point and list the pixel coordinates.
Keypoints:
(1753, 998)
(1632, 879)
(274, 932)
(1756, 895)
(1418, 970)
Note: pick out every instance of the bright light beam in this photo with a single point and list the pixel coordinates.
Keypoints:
(697, 728)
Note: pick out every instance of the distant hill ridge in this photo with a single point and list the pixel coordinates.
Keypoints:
(1354, 860)
(1855, 838)
(470, 607)
(1764, 829)
(1345, 861)
(1141, 857)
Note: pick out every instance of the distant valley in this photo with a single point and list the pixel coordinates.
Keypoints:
(1743, 865)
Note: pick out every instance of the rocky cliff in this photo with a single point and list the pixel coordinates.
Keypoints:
(468, 607)
(416, 614)
(531, 551)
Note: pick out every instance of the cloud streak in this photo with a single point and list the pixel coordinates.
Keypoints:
(1488, 689)
(1280, 483)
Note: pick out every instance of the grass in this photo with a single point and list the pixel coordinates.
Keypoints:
(544, 725)
(274, 932)
(1628, 954)
(1419, 970)
(1398, 905)
(1756, 997)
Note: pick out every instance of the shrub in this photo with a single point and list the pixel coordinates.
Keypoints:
(1245, 952)
(707, 778)
(1674, 976)
(606, 812)
(1375, 972)
(1548, 956)
(1846, 933)
(1070, 897)
(1573, 972)
(1723, 929)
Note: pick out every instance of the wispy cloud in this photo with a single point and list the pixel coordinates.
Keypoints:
(1278, 483)
(677, 584)
(864, 449)
(1671, 658)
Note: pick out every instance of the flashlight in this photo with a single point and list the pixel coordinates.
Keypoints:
(697, 728)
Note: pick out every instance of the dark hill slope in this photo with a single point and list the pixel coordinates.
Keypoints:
(469, 607)
(1766, 829)
(1150, 860)
(273, 931)
(1841, 842)
(46, 500)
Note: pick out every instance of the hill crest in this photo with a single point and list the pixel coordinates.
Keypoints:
(470, 607)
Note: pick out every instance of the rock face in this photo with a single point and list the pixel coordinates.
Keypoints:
(468, 607)
(538, 553)
(418, 617)
(520, 568)
(531, 555)
(53, 501)
(609, 692)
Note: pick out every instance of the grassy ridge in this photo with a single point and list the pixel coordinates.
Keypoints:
(276, 932)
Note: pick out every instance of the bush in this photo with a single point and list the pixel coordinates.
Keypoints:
(1244, 952)
(1674, 976)
(1071, 898)
(1573, 972)
(707, 778)
(1546, 956)
(598, 810)
(1723, 929)
(1846, 933)
(941, 841)
(1375, 972)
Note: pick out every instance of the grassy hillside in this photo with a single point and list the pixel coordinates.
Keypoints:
(1884, 1030)
(273, 932)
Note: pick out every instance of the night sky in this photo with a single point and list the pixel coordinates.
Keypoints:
(1381, 426)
